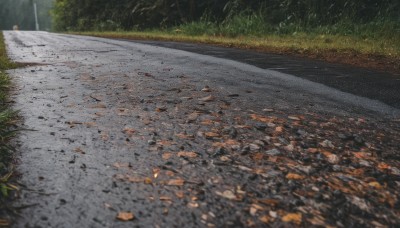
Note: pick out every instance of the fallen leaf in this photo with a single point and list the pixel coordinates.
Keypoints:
(279, 129)
(293, 217)
(383, 166)
(119, 165)
(210, 135)
(148, 180)
(293, 117)
(125, 216)
(165, 198)
(129, 131)
(269, 202)
(180, 194)
(294, 176)
(207, 122)
(312, 150)
(264, 119)
(187, 154)
(265, 219)
(90, 124)
(375, 184)
(184, 136)
(333, 158)
(167, 155)
(193, 117)
(4, 223)
(227, 194)
(161, 109)
(193, 205)
(207, 98)
(176, 182)
(360, 155)
(226, 144)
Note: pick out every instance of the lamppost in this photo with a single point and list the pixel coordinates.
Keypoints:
(36, 18)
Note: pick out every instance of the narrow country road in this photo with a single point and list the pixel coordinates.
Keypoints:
(126, 134)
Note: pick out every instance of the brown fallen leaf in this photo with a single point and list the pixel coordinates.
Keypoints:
(165, 198)
(184, 136)
(90, 124)
(176, 182)
(279, 129)
(228, 143)
(192, 117)
(294, 176)
(4, 223)
(383, 166)
(210, 135)
(167, 155)
(207, 122)
(265, 219)
(180, 194)
(264, 119)
(269, 202)
(187, 154)
(293, 217)
(125, 216)
(129, 131)
(312, 150)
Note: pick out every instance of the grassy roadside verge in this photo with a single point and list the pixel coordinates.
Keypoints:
(6, 121)
(378, 54)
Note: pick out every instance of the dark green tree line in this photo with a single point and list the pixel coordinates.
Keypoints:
(129, 14)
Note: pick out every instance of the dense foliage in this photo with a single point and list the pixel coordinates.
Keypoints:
(20, 12)
(139, 14)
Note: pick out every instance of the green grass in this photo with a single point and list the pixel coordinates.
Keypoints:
(7, 117)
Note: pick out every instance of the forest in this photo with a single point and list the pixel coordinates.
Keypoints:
(21, 13)
(218, 16)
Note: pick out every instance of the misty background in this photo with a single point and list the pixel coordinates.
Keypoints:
(21, 13)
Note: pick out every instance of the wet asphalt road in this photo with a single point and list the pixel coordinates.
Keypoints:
(375, 85)
(98, 107)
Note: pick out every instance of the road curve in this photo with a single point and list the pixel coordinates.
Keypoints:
(106, 115)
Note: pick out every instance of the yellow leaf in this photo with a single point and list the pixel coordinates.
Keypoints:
(148, 180)
(293, 217)
(294, 176)
(125, 216)
(375, 185)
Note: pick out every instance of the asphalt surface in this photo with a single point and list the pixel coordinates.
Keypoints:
(375, 85)
(106, 114)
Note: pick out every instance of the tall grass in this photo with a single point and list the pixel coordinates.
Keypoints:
(255, 24)
(6, 128)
